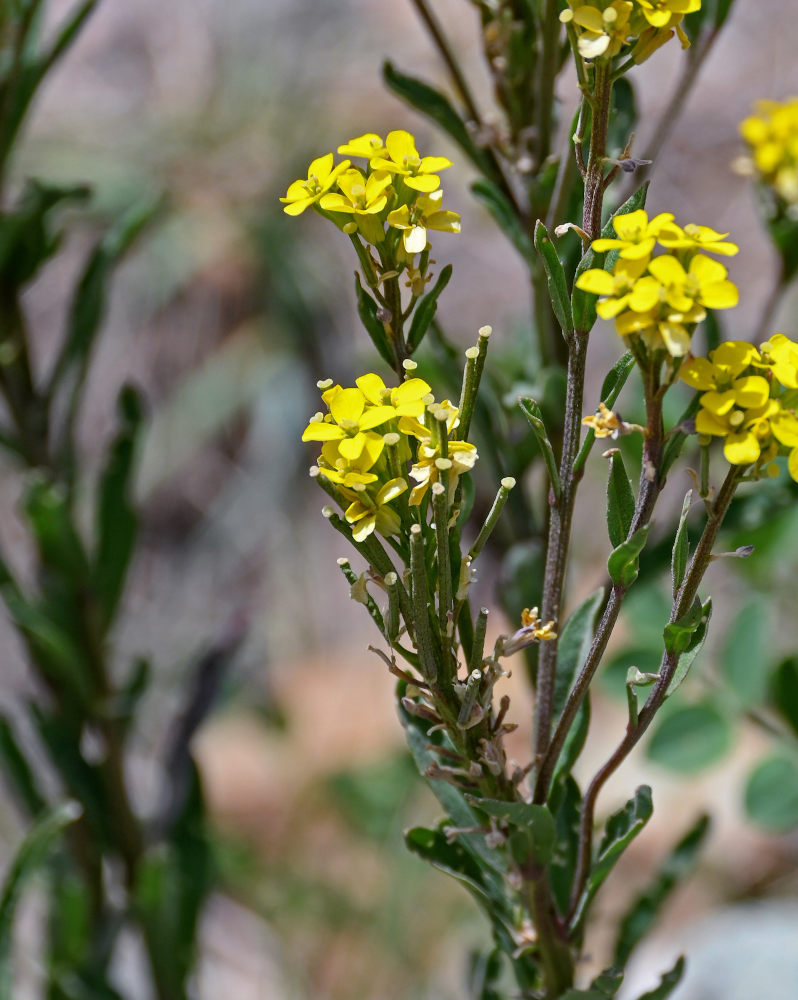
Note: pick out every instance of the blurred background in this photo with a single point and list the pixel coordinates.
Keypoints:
(225, 317)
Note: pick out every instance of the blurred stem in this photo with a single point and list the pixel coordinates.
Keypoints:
(547, 67)
(670, 661)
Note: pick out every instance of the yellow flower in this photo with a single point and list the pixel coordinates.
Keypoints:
(772, 136)
(601, 32)
(365, 146)
(419, 173)
(746, 432)
(695, 237)
(430, 463)
(703, 284)
(366, 513)
(661, 328)
(321, 177)
(636, 235)
(425, 213)
(406, 399)
(780, 355)
(357, 194)
(720, 377)
(785, 429)
(624, 288)
(350, 422)
(660, 13)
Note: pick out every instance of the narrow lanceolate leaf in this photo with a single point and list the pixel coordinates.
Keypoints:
(18, 773)
(642, 914)
(505, 217)
(681, 546)
(435, 105)
(117, 522)
(27, 860)
(621, 829)
(623, 564)
(583, 304)
(555, 276)
(534, 416)
(573, 646)
(694, 647)
(425, 310)
(668, 984)
(620, 500)
(367, 311)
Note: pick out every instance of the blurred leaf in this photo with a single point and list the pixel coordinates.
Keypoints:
(117, 522)
(371, 797)
(575, 740)
(583, 304)
(771, 794)
(505, 217)
(27, 239)
(47, 506)
(22, 84)
(623, 564)
(641, 915)
(29, 857)
(623, 116)
(690, 738)
(367, 311)
(573, 646)
(89, 301)
(784, 235)
(454, 859)
(742, 655)
(484, 972)
(424, 312)
(564, 802)
(785, 691)
(603, 987)
(621, 829)
(620, 500)
(436, 106)
(18, 773)
(681, 546)
(712, 15)
(668, 983)
(172, 884)
(555, 277)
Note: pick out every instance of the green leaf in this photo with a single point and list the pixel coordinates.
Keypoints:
(642, 914)
(771, 793)
(575, 740)
(29, 857)
(742, 660)
(18, 772)
(565, 804)
(691, 738)
(694, 647)
(117, 523)
(679, 634)
(573, 646)
(436, 106)
(555, 276)
(583, 304)
(425, 309)
(681, 546)
(620, 500)
(603, 987)
(524, 816)
(367, 311)
(47, 506)
(534, 416)
(668, 983)
(90, 299)
(623, 564)
(505, 217)
(454, 859)
(785, 691)
(621, 829)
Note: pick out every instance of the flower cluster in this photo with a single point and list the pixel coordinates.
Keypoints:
(604, 27)
(749, 398)
(772, 138)
(396, 188)
(376, 440)
(657, 301)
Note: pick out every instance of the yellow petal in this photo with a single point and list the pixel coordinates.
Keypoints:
(362, 530)
(699, 373)
(423, 182)
(322, 431)
(668, 270)
(401, 144)
(719, 403)
(720, 295)
(741, 449)
(372, 387)
(751, 391)
(792, 464)
(351, 448)
(347, 405)
(415, 239)
(596, 281)
(391, 490)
